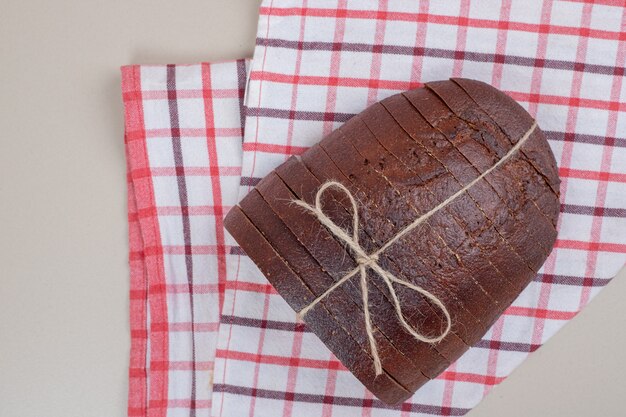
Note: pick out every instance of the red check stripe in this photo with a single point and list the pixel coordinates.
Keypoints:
(279, 360)
(591, 246)
(604, 176)
(446, 20)
(406, 85)
(138, 159)
(138, 369)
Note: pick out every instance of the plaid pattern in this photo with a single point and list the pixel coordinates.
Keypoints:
(317, 63)
(183, 144)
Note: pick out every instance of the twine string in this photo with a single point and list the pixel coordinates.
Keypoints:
(367, 261)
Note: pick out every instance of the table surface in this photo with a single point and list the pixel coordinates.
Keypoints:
(63, 247)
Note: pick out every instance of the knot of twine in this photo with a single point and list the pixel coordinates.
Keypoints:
(367, 261)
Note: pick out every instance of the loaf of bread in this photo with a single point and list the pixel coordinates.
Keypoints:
(460, 156)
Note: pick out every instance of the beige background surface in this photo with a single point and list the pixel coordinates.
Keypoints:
(63, 248)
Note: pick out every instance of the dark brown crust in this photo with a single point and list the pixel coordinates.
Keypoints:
(509, 214)
(425, 196)
(533, 180)
(442, 184)
(501, 180)
(319, 319)
(483, 148)
(459, 135)
(514, 121)
(419, 198)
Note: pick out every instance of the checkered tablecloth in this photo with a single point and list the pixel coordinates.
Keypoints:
(315, 65)
(183, 144)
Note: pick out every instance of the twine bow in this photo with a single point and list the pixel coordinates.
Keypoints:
(367, 261)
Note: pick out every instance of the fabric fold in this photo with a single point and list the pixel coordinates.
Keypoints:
(183, 145)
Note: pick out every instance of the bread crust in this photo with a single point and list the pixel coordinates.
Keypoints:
(399, 159)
